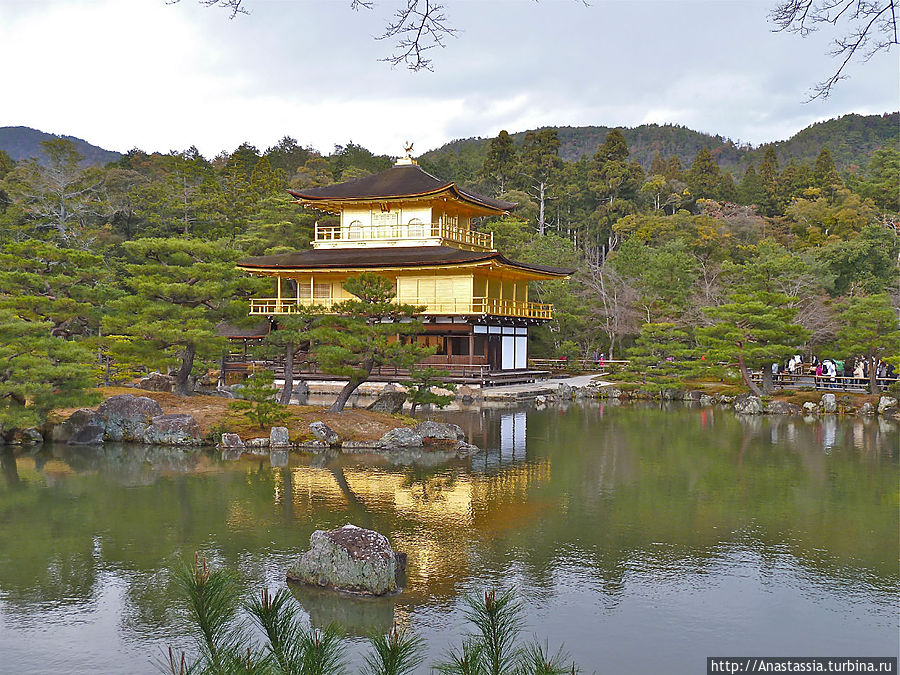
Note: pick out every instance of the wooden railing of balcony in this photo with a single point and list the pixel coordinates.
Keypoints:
(445, 231)
(483, 306)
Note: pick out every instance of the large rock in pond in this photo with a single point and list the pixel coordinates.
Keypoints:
(390, 400)
(783, 408)
(83, 427)
(175, 429)
(439, 432)
(829, 403)
(279, 437)
(349, 559)
(428, 433)
(126, 417)
(747, 404)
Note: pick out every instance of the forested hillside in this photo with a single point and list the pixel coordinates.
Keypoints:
(109, 271)
(24, 142)
(851, 139)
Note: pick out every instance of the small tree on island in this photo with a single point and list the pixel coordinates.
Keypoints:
(661, 357)
(868, 326)
(366, 333)
(420, 390)
(259, 404)
(753, 329)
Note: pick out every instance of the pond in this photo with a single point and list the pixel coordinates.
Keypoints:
(645, 539)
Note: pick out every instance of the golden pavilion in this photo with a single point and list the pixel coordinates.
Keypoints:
(416, 230)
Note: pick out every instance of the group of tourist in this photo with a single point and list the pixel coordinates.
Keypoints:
(855, 369)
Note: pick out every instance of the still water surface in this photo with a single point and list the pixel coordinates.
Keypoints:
(643, 539)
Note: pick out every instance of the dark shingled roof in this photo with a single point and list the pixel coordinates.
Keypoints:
(405, 180)
(400, 256)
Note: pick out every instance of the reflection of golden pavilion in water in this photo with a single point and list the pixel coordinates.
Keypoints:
(435, 515)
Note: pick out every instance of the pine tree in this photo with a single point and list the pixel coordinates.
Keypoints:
(868, 327)
(768, 174)
(661, 357)
(41, 372)
(258, 403)
(422, 382)
(753, 329)
(366, 333)
(752, 190)
(292, 334)
(179, 289)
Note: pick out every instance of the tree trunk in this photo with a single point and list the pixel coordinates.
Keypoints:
(541, 211)
(187, 364)
(351, 386)
(768, 386)
(746, 375)
(873, 377)
(288, 374)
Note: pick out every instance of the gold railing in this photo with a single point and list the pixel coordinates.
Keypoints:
(475, 306)
(449, 232)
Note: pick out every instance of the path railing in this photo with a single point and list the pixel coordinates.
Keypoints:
(823, 382)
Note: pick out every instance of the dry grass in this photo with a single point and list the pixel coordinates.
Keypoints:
(213, 415)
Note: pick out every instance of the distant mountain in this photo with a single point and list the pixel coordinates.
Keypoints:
(851, 140)
(24, 142)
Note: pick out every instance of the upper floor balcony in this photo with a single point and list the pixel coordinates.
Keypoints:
(401, 234)
(443, 307)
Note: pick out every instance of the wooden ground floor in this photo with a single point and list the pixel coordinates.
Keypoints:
(481, 351)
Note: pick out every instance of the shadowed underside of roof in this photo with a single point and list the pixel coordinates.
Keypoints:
(406, 256)
(399, 181)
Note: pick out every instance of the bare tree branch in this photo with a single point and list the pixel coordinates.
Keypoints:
(870, 28)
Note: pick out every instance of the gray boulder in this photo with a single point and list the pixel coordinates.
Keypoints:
(402, 437)
(439, 431)
(706, 400)
(886, 402)
(810, 408)
(748, 404)
(349, 559)
(30, 436)
(325, 434)
(467, 394)
(829, 403)
(388, 401)
(564, 391)
(257, 446)
(156, 382)
(83, 427)
(693, 395)
(783, 408)
(231, 442)
(866, 409)
(126, 417)
(173, 430)
(279, 437)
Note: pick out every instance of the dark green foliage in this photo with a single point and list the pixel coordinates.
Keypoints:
(364, 333)
(704, 176)
(868, 326)
(752, 329)
(867, 263)
(397, 653)
(421, 383)
(662, 357)
(41, 372)
(258, 403)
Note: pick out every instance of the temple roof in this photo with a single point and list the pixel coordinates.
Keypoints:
(391, 257)
(401, 180)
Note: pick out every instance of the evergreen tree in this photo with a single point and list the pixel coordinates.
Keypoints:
(753, 329)
(883, 182)
(768, 174)
(292, 334)
(658, 165)
(366, 333)
(868, 327)
(422, 382)
(661, 357)
(179, 290)
(704, 176)
(539, 164)
(40, 372)
(752, 190)
(825, 175)
(258, 403)
(499, 163)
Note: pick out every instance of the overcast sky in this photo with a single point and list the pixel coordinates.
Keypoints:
(143, 73)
